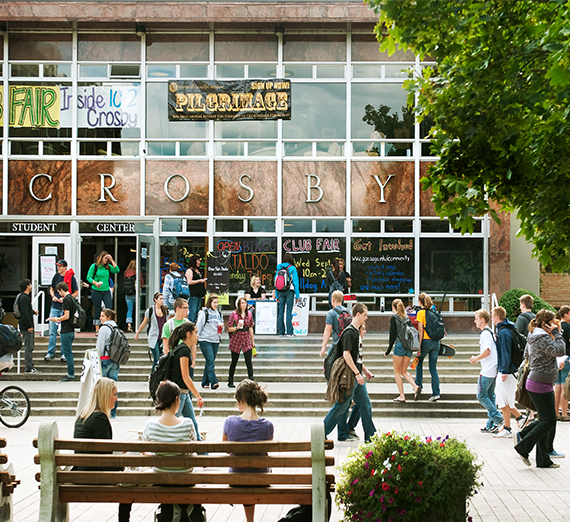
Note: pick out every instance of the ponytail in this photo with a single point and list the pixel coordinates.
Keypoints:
(425, 300)
(180, 333)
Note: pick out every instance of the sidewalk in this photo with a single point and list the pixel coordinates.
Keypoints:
(511, 491)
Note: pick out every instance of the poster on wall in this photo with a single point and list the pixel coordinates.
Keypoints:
(248, 257)
(266, 317)
(202, 100)
(313, 259)
(301, 315)
(218, 274)
(47, 270)
(382, 265)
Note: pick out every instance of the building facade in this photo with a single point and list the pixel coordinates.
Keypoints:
(92, 161)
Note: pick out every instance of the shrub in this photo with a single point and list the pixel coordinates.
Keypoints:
(510, 302)
(407, 478)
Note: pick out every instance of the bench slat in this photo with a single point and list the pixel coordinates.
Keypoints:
(80, 445)
(184, 461)
(185, 495)
(236, 479)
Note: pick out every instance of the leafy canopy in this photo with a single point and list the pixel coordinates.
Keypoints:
(499, 100)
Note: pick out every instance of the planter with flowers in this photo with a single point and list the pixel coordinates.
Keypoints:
(403, 477)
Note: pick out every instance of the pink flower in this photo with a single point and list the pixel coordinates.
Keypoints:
(372, 493)
(355, 481)
(406, 438)
(390, 500)
(369, 454)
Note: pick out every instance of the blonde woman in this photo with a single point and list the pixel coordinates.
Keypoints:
(255, 291)
(402, 356)
(93, 421)
(428, 348)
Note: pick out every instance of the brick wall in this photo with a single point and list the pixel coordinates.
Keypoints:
(555, 288)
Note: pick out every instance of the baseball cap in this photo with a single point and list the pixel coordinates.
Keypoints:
(62, 262)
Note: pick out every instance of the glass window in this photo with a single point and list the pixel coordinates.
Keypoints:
(366, 225)
(93, 148)
(381, 111)
(330, 71)
(314, 48)
(319, 111)
(25, 69)
(157, 122)
(452, 264)
(366, 48)
(21, 148)
(196, 225)
(245, 129)
(435, 225)
(177, 47)
(298, 71)
(298, 148)
(260, 225)
(297, 225)
(178, 250)
(193, 148)
(98, 70)
(40, 46)
(229, 71)
(396, 225)
(399, 149)
(54, 70)
(330, 225)
(161, 148)
(477, 227)
(108, 47)
(171, 225)
(193, 71)
(261, 148)
(161, 71)
(245, 47)
(400, 70)
(229, 225)
(261, 71)
(367, 71)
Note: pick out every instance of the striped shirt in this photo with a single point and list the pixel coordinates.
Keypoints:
(157, 432)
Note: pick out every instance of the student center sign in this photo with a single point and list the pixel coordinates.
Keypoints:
(274, 130)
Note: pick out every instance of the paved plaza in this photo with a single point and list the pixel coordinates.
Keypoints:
(510, 492)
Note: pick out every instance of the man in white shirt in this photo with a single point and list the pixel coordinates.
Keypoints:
(488, 359)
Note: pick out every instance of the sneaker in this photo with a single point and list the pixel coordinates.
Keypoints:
(556, 455)
(350, 438)
(495, 428)
(352, 433)
(67, 379)
(33, 370)
(48, 358)
(522, 423)
(63, 359)
(517, 437)
(434, 398)
(503, 433)
(485, 429)
(553, 465)
(526, 460)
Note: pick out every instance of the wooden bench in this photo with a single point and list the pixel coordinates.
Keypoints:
(8, 483)
(298, 473)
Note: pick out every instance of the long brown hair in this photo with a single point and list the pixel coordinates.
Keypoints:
(543, 316)
(425, 300)
(238, 305)
(163, 308)
(399, 306)
(132, 265)
(100, 257)
(335, 268)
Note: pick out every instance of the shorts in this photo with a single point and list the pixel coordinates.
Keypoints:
(505, 391)
(400, 351)
(562, 374)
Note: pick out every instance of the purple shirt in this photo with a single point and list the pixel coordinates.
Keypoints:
(237, 429)
(538, 387)
(160, 321)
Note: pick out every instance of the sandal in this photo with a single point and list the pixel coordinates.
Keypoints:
(565, 418)
(397, 399)
(417, 393)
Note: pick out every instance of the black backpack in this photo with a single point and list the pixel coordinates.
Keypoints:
(336, 351)
(517, 346)
(78, 314)
(129, 286)
(16, 307)
(305, 513)
(180, 513)
(10, 340)
(118, 347)
(162, 372)
(435, 327)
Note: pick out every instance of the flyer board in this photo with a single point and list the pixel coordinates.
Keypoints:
(266, 317)
(301, 316)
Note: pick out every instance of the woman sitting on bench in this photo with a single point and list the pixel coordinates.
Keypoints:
(248, 427)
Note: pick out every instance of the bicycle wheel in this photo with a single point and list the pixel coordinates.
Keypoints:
(14, 407)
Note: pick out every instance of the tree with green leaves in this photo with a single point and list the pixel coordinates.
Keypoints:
(499, 99)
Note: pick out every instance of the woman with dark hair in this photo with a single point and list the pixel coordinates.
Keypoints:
(248, 426)
(240, 328)
(210, 325)
(342, 266)
(428, 348)
(182, 339)
(157, 315)
(335, 280)
(130, 290)
(197, 284)
(286, 297)
(98, 277)
(560, 403)
(544, 344)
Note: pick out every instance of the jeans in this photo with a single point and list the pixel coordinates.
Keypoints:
(430, 348)
(96, 298)
(209, 351)
(156, 352)
(28, 339)
(286, 299)
(110, 369)
(193, 308)
(540, 433)
(248, 363)
(344, 426)
(130, 300)
(53, 312)
(187, 410)
(66, 350)
(486, 397)
(360, 396)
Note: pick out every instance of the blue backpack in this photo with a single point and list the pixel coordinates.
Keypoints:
(180, 288)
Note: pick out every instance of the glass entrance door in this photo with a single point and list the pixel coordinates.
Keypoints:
(147, 269)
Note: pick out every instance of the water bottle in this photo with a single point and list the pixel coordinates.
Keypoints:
(414, 363)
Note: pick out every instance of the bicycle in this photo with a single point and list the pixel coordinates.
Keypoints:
(14, 406)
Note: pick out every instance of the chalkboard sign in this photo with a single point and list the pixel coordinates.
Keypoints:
(313, 258)
(218, 273)
(249, 256)
(382, 265)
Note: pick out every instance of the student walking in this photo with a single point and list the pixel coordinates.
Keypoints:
(67, 330)
(210, 324)
(98, 277)
(26, 323)
(109, 368)
(487, 377)
(286, 297)
(156, 317)
(428, 348)
(240, 328)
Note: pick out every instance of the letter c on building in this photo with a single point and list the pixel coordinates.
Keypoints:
(33, 180)
(186, 188)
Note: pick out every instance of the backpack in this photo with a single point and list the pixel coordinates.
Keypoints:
(10, 340)
(118, 346)
(162, 372)
(129, 286)
(283, 279)
(180, 288)
(435, 327)
(305, 513)
(411, 338)
(335, 285)
(180, 513)
(335, 352)
(517, 346)
(17, 311)
(78, 314)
